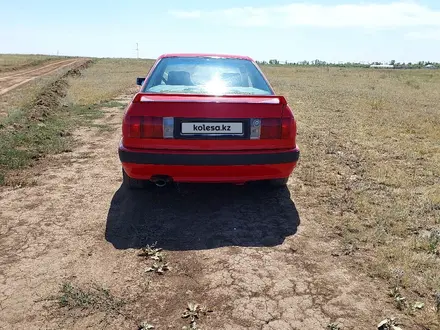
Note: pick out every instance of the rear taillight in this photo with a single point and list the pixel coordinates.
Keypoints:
(270, 128)
(276, 128)
(146, 127)
(152, 128)
(131, 127)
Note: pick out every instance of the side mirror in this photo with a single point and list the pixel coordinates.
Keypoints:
(140, 81)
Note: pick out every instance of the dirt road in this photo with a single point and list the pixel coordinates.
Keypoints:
(252, 255)
(9, 80)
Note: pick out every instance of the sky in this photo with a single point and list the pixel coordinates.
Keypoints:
(287, 30)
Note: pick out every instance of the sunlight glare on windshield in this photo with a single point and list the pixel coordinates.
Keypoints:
(216, 86)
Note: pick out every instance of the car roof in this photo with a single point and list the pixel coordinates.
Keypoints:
(241, 57)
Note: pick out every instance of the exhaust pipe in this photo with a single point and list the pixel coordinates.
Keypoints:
(160, 180)
(160, 183)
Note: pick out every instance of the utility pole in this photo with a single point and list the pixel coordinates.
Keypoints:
(137, 50)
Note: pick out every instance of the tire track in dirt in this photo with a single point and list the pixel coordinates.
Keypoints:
(11, 82)
(33, 69)
(245, 252)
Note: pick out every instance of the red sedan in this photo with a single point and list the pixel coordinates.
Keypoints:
(207, 118)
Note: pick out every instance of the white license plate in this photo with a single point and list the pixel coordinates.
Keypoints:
(212, 128)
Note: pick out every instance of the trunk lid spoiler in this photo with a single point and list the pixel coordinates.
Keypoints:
(256, 99)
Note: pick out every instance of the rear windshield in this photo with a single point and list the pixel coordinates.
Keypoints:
(206, 75)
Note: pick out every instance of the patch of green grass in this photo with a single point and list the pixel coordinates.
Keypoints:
(95, 298)
(73, 297)
(84, 113)
(434, 242)
(22, 141)
(42, 125)
(113, 104)
(14, 116)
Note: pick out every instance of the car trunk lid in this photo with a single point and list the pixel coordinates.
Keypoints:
(206, 122)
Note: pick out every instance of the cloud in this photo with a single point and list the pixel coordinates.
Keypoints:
(373, 15)
(424, 35)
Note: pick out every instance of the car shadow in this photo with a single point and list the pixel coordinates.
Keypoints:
(197, 217)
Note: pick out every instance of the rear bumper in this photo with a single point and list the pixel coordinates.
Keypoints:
(206, 159)
(208, 166)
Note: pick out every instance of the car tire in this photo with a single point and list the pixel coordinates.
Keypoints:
(278, 182)
(132, 183)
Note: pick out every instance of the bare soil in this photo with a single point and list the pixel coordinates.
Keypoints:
(253, 255)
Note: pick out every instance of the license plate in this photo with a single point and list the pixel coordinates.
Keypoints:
(212, 128)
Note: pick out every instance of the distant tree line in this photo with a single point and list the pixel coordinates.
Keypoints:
(397, 65)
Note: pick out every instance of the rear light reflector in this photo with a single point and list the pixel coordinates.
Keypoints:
(168, 127)
(286, 128)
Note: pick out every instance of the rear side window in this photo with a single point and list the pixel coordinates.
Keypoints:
(206, 75)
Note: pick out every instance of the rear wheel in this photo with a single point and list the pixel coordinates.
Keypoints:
(278, 182)
(132, 183)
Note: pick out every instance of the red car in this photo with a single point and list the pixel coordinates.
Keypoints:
(207, 118)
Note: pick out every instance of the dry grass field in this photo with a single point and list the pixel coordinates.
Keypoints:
(354, 240)
(370, 171)
(106, 80)
(15, 62)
